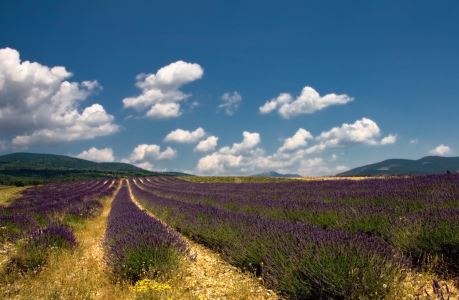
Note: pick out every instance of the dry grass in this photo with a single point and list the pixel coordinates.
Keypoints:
(416, 283)
(8, 194)
(206, 278)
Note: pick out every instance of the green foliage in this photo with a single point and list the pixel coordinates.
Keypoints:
(33, 251)
(19, 183)
(152, 260)
(74, 221)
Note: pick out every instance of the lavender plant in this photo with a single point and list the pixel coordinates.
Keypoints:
(417, 215)
(298, 259)
(33, 221)
(33, 251)
(137, 243)
(42, 205)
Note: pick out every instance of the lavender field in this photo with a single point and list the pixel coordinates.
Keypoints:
(44, 217)
(341, 239)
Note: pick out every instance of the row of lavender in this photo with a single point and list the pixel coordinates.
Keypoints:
(42, 219)
(138, 244)
(407, 194)
(42, 205)
(418, 215)
(298, 259)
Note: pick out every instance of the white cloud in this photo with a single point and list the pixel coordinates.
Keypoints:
(250, 140)
(281, 100)
(296, 141)
(228, 157)
(390, 139)
(341, 168)
(208, 144)
(3, 145)
(230, 102)
(441, 150)
(361, 132)
(414, 142)
(94, 154)
(255, 161)
(185, 136)
(217, 162)
(39, 106)
(244, 158)
(160, 91)
(145, 165)
(313, 167)
(164, 111)
(308, 102)
(144, 151)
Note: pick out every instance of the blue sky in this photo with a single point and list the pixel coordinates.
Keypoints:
(230, 88)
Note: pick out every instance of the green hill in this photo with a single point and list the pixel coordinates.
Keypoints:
(33, 168)
(423, 166)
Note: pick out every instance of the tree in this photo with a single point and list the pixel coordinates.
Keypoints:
(19, 183)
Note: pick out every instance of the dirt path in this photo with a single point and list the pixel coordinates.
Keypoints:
(213, 278)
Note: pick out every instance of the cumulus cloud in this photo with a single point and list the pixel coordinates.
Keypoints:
(94, 154)
(250, 140)
(390, 139)
(38, 106)
(145, 165)
(230, 102)
(144, 151)
(216, 162)
(244, 157)
(441, 150)
(208, 144)
(164, 111)
(296, 141)
(308, 102)
(231, 156)
(313, 167)
(362, 132)
(185, 136)
(160, 91)
(256, 161)
(341, 168)
(414, 142)
(3, 145)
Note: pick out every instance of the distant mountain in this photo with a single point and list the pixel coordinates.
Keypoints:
(33, 168)
(423, 166)
(274, 174)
